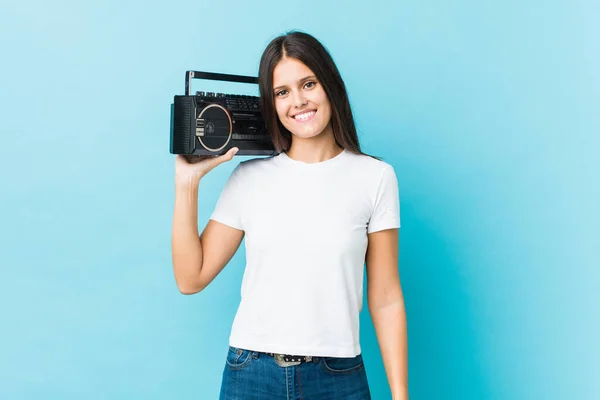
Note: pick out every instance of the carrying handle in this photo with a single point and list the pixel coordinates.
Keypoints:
(216, 77)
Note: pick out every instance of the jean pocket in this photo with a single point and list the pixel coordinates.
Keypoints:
(238, 358)
(343, 365)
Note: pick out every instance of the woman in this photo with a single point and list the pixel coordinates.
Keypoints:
(312, 216)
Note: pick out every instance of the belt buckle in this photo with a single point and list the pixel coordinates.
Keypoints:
(282, 363)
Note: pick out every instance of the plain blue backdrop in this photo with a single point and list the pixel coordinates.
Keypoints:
(488, 111)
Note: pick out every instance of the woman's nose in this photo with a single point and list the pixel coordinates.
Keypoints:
(299, 99)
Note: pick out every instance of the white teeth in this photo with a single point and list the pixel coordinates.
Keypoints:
(305, 116)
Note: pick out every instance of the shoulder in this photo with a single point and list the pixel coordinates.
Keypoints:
(371, 167)
(253, 166)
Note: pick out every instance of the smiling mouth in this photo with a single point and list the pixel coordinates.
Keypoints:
(304, 116)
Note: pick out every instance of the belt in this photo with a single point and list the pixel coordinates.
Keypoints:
(288, 358)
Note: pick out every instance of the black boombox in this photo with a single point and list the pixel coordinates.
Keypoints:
(211, 124)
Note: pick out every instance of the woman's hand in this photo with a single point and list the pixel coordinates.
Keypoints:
(193, 168)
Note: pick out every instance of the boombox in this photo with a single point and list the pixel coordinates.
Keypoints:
(212, 123)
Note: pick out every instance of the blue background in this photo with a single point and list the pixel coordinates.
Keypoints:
(489, 113)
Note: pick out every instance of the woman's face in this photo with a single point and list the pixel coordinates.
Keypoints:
(301, 103)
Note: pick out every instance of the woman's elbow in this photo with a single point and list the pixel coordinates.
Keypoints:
(189, 288)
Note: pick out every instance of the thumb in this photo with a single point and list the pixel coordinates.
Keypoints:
(227, 156)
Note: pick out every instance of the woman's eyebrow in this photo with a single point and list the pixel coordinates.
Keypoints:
(299, 81)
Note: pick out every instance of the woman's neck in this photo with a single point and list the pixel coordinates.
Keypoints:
(311, 151)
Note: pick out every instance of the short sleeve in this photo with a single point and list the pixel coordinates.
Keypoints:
(228, 208)
(386, 207)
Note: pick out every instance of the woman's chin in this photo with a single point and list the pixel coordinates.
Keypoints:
(307, 133)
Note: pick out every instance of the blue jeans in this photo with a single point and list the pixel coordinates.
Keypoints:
(252, 375)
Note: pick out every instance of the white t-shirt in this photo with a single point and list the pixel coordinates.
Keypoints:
(306, 229)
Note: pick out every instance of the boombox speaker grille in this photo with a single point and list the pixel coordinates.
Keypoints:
(182, 139)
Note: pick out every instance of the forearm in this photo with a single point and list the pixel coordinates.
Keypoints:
(391, 330)
(185, 241)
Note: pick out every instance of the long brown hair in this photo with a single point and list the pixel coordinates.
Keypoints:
(308, 50)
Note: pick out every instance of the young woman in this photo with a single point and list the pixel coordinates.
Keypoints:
(312, 215)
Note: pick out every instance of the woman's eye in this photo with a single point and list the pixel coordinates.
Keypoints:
(308, 85)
